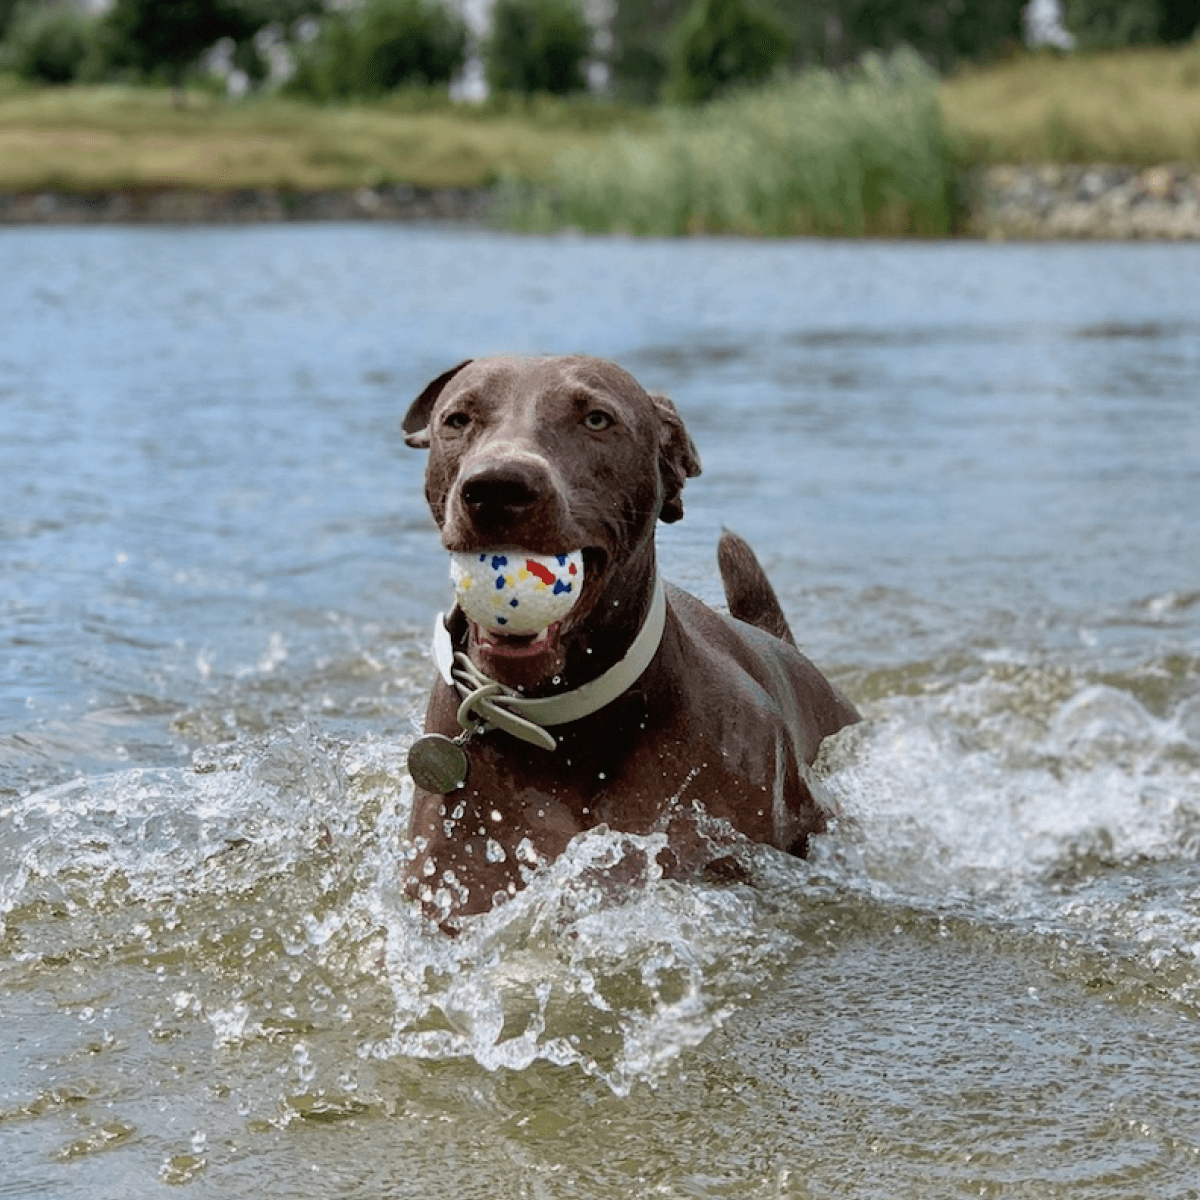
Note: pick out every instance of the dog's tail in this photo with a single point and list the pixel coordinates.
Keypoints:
(748, 591)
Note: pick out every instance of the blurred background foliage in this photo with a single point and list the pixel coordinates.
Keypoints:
(648, 51)
(719, 44)
(377, 47)
(671, 116)
(537, 46)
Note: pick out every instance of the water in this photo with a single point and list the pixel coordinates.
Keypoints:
(974, 474)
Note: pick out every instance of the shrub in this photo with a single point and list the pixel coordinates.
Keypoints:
(720, 43)
(388, 44)
(6, 11)
(169, 35)
(829, 33)
(1114, 24)
(1179, 20)
(49, 44)
(537, 46)
(326, 67)
(641, 31)
(861, 152)
(409, 41)
(944, 34)
(1111, 24)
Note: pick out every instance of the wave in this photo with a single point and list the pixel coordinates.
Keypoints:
(264, 883)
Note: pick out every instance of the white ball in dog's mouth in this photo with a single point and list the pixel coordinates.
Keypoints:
(514, 592)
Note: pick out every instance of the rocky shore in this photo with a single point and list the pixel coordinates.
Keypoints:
(1050, 201)
(177, 207)
(1002, 203)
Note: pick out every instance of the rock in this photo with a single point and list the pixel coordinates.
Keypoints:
(1097, 201)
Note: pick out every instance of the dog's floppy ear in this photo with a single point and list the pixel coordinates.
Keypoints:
(678, 460)
(416, 420)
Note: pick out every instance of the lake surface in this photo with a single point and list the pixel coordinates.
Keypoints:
(974, 474)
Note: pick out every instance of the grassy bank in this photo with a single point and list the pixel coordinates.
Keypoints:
(98, 138)
(874, 151)
(1137, 108)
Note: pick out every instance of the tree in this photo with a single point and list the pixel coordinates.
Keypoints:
(641, 32)
(1110, 24)
(1180, 20)
(409, 41)
(49, 44)
(6, 12)
(723, 42)
(385, 45)
(169, 35)
(537, 46)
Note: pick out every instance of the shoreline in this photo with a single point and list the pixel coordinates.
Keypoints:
(1002, 203)
(242, 206)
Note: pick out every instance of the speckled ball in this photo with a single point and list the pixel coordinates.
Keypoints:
(514, 592)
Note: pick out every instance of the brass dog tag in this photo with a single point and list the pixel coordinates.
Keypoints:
(437, 764)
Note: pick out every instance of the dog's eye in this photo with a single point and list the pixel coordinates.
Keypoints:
(456, 420)
(597, 420)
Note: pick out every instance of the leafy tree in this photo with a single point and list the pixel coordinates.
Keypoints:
(1179, 20)
(641, 32)
(409, 41)
(385, 45)
(1109, 24)
(49, 44)
(724, 42)
(537, 46)
(326, 68)
(284, 13)
(6, 12)
(169, 35)
(943, 32)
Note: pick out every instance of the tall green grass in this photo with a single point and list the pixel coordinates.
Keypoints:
(858, 153)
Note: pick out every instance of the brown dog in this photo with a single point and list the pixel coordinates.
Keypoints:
(663, 717)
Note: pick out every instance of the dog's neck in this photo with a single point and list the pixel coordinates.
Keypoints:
(606, 634)
(492, 705)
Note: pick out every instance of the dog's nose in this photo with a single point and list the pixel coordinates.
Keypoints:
(495, 494)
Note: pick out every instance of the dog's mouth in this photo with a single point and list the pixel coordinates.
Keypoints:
(515, 645)
(528, 657)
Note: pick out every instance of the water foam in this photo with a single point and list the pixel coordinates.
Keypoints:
(1035, 799)
(570, 972)
(273, 871)
(996, 779)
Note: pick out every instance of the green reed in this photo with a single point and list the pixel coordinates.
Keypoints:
(862, 152)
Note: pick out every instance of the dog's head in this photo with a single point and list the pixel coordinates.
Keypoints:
(550, 455)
